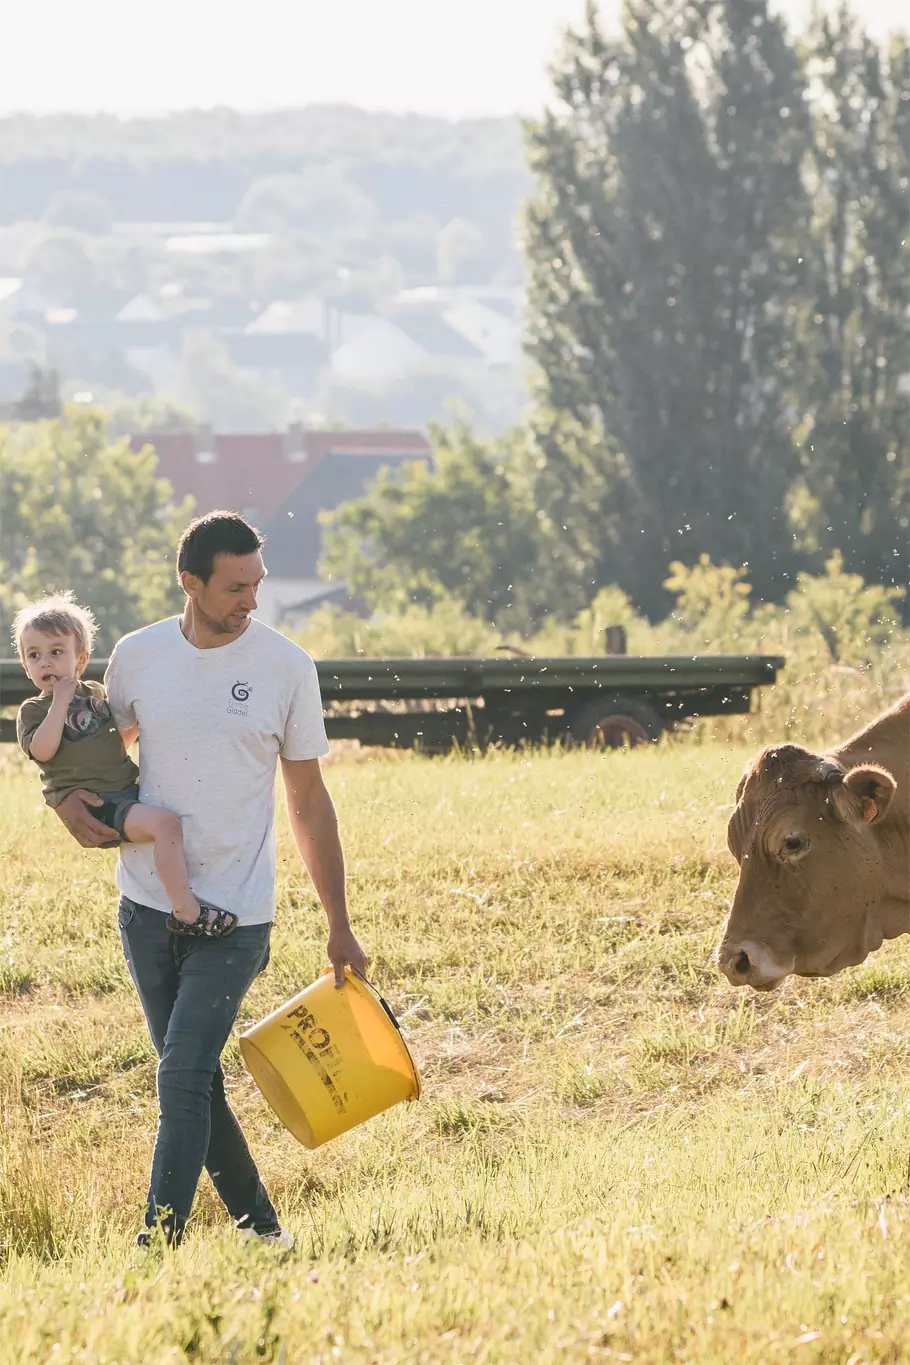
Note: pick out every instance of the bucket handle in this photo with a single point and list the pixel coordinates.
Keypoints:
(382, 1002)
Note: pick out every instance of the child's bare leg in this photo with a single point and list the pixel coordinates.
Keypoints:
(152, 825)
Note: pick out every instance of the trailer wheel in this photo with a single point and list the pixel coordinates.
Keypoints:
(616, 723)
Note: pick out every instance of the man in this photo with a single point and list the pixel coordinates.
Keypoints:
(219, 700)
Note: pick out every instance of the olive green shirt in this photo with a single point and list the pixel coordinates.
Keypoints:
(91, 752)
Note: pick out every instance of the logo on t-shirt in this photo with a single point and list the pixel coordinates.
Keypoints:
(240, 694)
(86, 716)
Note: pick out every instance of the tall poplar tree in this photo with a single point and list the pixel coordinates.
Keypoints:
(663, 243)
(854, 390)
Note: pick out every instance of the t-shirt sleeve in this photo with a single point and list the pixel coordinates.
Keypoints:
(118, 697)
(304, 730)
(30, 716)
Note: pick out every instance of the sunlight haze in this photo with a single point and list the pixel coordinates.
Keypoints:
(480, 57)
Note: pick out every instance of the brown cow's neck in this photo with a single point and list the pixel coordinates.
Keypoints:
(885, 740)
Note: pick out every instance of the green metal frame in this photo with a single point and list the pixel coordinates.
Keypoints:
(505, 700)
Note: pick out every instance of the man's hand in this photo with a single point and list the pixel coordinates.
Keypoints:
(345, 950)
(82, 825)
(65, 690)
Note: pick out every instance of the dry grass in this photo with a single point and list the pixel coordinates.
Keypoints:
(618, 1157)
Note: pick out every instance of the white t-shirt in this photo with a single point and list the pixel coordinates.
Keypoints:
(212, 726)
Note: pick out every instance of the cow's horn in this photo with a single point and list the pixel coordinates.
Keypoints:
(828, 771)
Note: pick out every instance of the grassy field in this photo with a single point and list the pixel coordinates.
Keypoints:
(617, 1157)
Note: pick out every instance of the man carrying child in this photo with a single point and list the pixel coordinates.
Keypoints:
(218, 700)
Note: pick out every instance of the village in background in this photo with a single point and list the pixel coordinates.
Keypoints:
(479, 367)
(326, 284)
(326, 266)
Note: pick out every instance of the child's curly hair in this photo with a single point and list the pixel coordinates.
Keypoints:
(57, 614)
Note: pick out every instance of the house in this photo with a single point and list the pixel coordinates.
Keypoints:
(22, 302)
(493, 327)
(441, 296)
(293, 358)
(218, 243)
(340, 466)
(10, 297)
(212, 315)
(97, 339)
(392, 347)
(306, 317)
(343, 326)
(141, 309)
(488, 318)
(281, 482)
(377, 353)
(309, 317)
(144, 230)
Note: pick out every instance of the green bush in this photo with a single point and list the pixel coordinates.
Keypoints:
(847, 655)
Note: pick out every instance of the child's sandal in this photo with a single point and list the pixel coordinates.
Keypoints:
(212, 923)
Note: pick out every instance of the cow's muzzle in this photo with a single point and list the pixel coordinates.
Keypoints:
(752, 964)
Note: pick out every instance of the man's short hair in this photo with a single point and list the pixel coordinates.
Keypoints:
(57, 614)
(217, 533)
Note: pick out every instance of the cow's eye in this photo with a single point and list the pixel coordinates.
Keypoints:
(795, 844)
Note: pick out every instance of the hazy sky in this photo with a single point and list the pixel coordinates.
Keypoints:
(449, 57)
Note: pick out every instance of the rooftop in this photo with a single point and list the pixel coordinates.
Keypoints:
(434, 335)
(257, 471)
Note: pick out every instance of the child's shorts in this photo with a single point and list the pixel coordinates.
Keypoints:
(115, 808)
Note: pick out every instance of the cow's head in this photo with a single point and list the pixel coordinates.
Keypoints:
(812, 873)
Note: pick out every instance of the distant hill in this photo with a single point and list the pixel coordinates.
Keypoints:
(134, 253)
(200, 165)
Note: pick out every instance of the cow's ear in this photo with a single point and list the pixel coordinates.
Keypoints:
(864, 795)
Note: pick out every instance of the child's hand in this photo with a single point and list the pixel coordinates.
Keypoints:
(65, 689)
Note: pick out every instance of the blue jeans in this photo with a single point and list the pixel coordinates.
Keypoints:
(191, 990)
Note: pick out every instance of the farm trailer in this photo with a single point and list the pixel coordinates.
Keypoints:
(434, 704)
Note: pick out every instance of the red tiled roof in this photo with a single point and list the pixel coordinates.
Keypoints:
(322, 443)
(259, 470)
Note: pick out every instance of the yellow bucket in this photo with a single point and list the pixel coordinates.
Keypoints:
(330, 1058)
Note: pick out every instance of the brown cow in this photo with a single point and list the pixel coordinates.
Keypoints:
(823, 846)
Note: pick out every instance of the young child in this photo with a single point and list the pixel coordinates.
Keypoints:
(69, 732)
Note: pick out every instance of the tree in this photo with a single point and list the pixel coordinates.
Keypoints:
(494, 401)
(79, 513)
(857, 621)
(62, 268)
(209, 383)
(854, 491)
(461, 254)
(712, 602)
(467, 528)
(149, 412)
(661, 244)
(40, 399)
(586, 509)
(317, 199)
(411, 631)
(87, 213)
